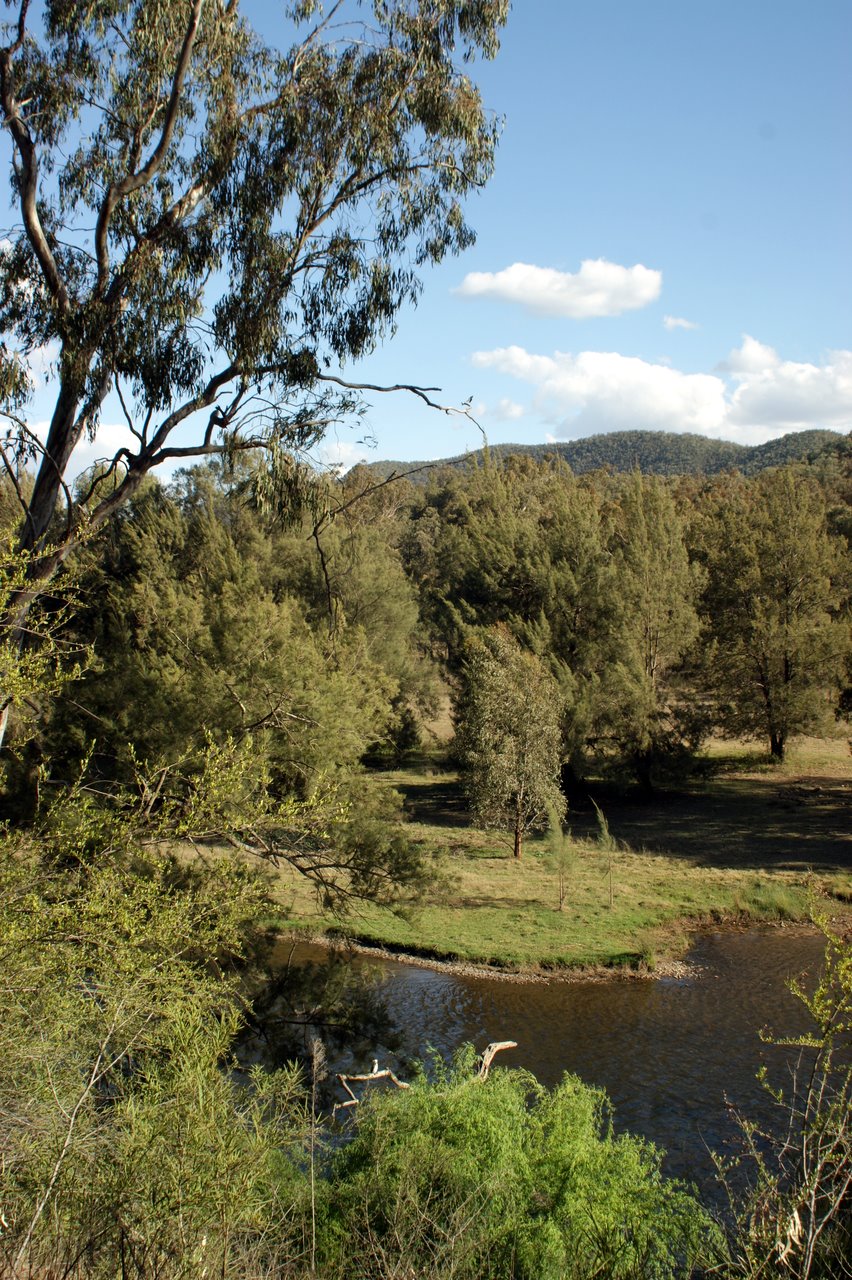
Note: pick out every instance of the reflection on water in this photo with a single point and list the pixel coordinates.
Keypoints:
(667, 1052)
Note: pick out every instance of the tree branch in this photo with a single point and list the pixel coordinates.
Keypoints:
(134, 181)
(28, 172)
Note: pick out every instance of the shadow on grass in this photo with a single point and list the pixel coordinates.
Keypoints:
(744, 823)
(740, 823)
(439, 802)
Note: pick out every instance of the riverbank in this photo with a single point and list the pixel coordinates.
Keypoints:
(667, 968)
(741, 842)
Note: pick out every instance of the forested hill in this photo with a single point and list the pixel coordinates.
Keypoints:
(663, 453)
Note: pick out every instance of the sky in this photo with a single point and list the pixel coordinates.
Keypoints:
(665, 243)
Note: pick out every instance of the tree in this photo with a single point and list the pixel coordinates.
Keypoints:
(196, 633)
(773, 606)
(509, 736)
(227, 225)
(41, 669)
(656, 590)
(520, 543)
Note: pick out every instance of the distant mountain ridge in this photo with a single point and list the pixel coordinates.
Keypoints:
(663, 453)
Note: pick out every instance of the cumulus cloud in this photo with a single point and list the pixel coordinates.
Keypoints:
(341, 455)
(752, 357)
(678, 322)
(606, 391)
(508, 410)
(764, 396)
(599, 288)
(788, 396)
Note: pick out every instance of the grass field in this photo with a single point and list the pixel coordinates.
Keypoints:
(743, 839)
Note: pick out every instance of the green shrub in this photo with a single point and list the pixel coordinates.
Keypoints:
(465, 1177)
(129, 1143)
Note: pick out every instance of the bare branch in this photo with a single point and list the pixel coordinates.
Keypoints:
(369, 1078)
(421, 392)
(496, 1046)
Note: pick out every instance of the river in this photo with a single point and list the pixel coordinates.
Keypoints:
(668, 1051)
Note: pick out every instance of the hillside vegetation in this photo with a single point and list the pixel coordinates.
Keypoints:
(662, 453)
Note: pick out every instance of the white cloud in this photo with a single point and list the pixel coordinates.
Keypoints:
(599, 288)
(110, 438)
(678, 322)
(508, 410)
(341, 455)
(597, 391)
(786, 396)
(605, 391)
(752, 357)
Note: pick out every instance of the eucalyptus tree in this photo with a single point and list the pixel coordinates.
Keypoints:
(212, 227)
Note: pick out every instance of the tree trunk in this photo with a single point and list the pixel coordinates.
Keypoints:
(642, 761)
(518, 838)
(776, 745)
(61, 441)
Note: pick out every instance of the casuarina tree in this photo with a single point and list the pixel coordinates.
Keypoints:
(509, 737)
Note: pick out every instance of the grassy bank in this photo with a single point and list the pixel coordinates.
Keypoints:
(742, 840)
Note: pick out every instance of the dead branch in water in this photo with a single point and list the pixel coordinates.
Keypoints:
(484, 1066)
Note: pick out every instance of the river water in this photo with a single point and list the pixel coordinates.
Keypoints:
(669, 1052)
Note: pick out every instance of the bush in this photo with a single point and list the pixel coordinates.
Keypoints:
(129, 1143)
(465, 1177)
(795, 1219)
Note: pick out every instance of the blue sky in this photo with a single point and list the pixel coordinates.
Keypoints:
(664, 245)
(706, 143)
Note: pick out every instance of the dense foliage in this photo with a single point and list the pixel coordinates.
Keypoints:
(141, 1147)
(220, 681)
(662, 608)
(658, 609)
(502, 1178)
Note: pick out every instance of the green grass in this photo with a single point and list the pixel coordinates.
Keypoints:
(746, 842)
(493, 909)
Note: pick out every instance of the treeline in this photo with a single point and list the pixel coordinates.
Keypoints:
(665, 453)
(661, 610)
